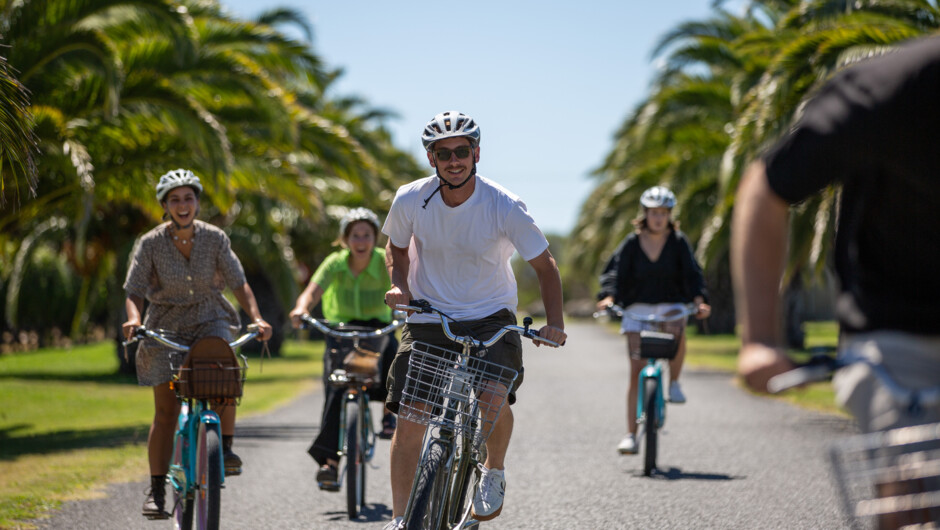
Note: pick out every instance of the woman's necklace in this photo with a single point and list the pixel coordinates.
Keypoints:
(183, 241)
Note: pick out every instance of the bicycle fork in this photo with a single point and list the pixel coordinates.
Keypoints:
(651, 371)
(185, 440)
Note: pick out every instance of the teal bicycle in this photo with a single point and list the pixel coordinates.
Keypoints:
(658, 348)
(212, 373)
(359, 349)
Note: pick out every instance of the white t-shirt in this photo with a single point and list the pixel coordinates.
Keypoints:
(460, 256)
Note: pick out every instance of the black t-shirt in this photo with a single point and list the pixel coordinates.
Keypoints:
(674, 277)
(875, 129)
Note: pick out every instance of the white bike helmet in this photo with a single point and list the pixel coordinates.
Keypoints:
(175, 179)
(450, 124)
(358, 214)
(658, 197)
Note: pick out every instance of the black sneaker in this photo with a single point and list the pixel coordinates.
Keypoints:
(233, 464)
(327, 478)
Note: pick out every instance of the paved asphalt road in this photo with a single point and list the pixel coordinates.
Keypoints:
(729, 460)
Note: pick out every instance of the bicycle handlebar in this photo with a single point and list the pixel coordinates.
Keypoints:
(616, 310)
(423, 306)
(821, 366)
(323, 327)
(141, 332)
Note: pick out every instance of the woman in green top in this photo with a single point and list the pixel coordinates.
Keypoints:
(351, 283)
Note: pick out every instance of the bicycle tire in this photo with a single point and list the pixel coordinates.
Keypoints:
(651, 445)
(464, 487)
(355, 464)
(208, 495)
(426, 510)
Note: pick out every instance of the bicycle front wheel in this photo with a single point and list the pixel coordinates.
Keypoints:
(426, 505)
(208, 498)
(355, 461)
(650, 389)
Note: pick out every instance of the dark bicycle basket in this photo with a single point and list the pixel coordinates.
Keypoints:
(210, 371)
(658, 345)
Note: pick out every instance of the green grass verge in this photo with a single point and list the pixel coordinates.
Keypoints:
(69, 424)
(720, 352)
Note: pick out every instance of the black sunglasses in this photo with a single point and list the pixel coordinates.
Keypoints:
(443, 154)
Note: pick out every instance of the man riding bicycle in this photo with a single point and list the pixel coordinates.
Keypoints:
(454, 251)
(873, 129)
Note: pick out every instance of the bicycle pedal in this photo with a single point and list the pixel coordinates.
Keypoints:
(157, 516)
(233, 472)
(328, 487)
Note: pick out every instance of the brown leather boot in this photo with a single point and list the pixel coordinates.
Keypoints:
(155, 503)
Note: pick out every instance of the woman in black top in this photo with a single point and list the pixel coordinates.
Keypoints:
(651, 272)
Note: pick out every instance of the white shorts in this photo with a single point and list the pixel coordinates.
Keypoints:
(913, 362)
(628, 325)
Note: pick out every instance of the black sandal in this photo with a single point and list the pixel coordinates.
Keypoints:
(388, 426)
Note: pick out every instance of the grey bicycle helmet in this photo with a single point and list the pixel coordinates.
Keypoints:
(175, 179)
(658, 197)
(358, 214)
(450, 124)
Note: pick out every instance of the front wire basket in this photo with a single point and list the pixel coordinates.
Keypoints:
(213, 382)
(890, 478)
(455, 392)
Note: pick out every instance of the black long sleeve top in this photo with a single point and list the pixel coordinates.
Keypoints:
(631, 277)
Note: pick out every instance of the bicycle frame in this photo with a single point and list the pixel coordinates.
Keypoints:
(650, 421)
(184, 472)
(453, 444)
(652, 370)
(356, 433)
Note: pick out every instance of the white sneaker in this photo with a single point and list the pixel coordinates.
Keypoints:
(627, 446)
(488, 500)
(675, 393)
(395, 524)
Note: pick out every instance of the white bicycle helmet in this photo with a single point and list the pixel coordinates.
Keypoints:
(358, 214)
(175, 179)
(658, 197)
(450, 124)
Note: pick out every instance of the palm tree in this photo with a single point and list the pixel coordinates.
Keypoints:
(122, 92)
(771, 60)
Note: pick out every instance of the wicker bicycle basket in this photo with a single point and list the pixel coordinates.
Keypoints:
(210, 371)
(453, 391)
(891, 478)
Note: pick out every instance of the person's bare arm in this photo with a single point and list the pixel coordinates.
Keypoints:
(758, 249)
(134, 305)
(550, 287)
(246, 299)
(307, 299)
(398, 264)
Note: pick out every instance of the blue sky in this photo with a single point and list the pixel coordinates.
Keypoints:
(548, 82)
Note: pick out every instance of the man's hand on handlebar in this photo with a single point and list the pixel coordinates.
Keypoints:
(757, 363)
(396, 297)
(553, 334)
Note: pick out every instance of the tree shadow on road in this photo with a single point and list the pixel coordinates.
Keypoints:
(247, 429)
